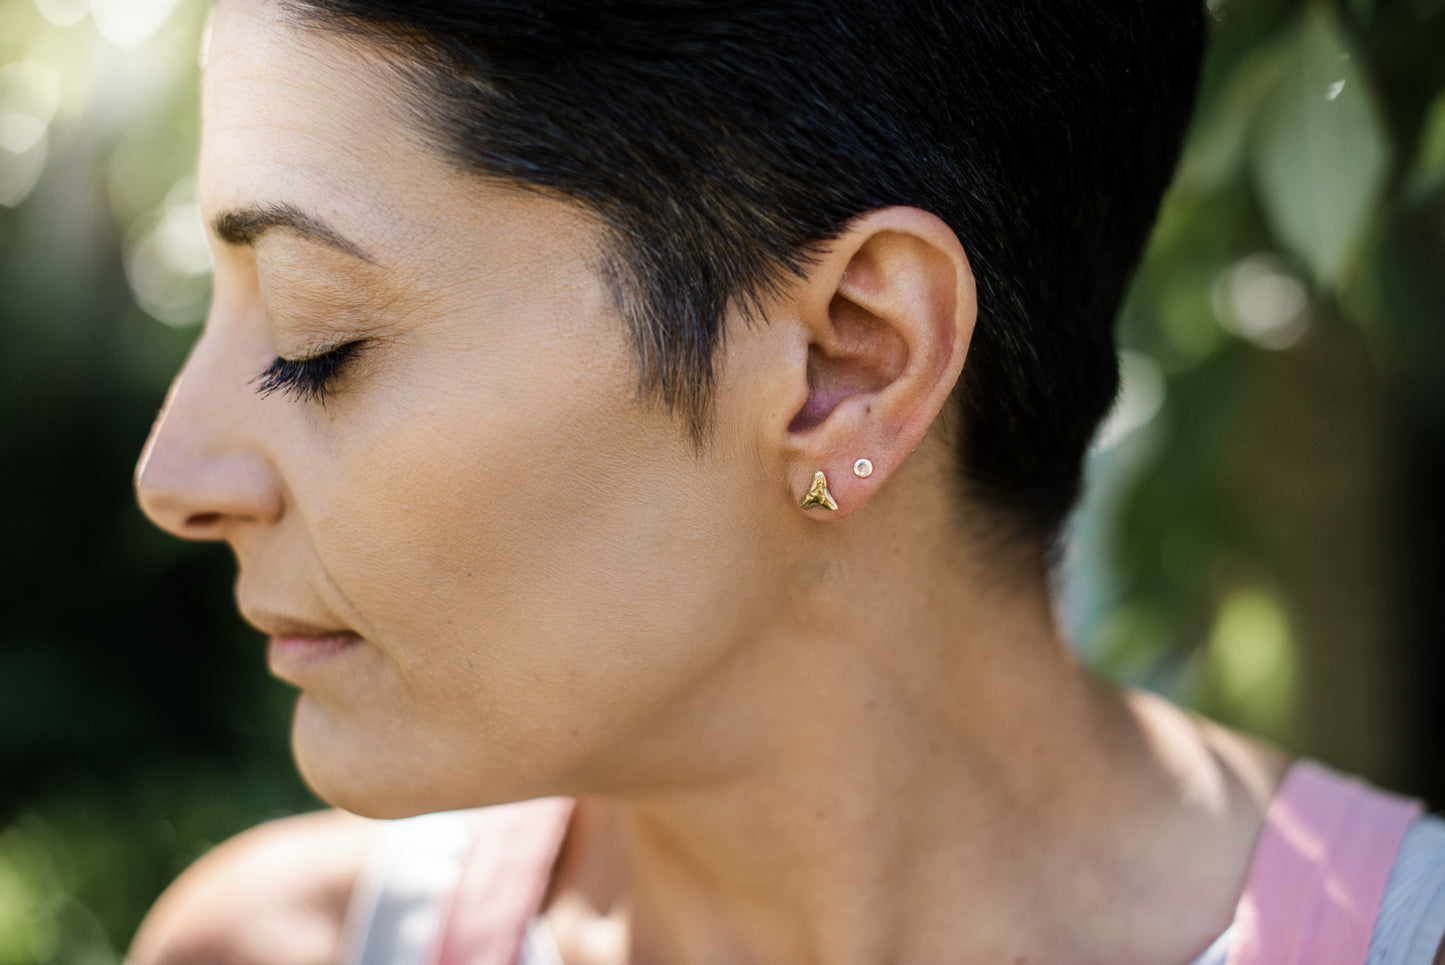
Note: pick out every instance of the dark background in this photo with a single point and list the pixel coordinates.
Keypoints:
(1261, 540)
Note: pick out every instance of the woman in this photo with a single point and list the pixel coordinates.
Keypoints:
(671, 408)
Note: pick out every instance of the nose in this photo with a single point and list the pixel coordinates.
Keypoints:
(202, 472)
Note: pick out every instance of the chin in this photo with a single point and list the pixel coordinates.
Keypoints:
(377, 773)
(346, 770)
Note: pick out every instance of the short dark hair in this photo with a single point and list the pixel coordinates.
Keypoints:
(720, 141)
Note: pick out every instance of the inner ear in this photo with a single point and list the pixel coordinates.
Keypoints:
(860, 354)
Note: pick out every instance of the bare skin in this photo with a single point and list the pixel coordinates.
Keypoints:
(848, 737)
(276, 894)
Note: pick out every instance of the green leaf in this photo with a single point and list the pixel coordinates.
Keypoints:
(1322, 156)
(1222, 129)
(1427, 176)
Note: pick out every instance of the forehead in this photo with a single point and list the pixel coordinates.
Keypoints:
(305, 118)
(299, 115)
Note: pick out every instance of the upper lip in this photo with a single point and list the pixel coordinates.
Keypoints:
(278, 625)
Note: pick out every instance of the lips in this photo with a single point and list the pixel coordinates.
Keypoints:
(295, 658)
(299, 648)
(276, 625)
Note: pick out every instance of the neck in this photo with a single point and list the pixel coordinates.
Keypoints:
(906, 771)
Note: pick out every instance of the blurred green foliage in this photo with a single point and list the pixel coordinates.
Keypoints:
(1259, 539)
(137, 725)
(1262, 543)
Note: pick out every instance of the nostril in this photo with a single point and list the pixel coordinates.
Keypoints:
(196, 495)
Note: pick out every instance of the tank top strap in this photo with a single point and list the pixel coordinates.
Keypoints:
(503, 881)
(1319, 871)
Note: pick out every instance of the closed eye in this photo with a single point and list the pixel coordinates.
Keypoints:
(309, 379)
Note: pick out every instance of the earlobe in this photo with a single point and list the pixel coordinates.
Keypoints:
(889, 311)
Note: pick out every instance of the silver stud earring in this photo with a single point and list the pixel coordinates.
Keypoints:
(862, 468)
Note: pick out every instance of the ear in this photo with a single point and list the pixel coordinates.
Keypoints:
(888, 311)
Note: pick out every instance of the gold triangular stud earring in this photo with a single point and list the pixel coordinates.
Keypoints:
(818, 494)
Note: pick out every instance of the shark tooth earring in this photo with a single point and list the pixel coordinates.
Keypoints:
(818, 494)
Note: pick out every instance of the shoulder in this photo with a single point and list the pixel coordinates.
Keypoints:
(276, 894)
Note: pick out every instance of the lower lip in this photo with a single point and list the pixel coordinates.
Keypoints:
(289, 657)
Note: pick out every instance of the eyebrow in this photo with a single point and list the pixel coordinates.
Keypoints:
(244, 226)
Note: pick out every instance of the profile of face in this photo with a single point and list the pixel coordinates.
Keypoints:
(492, 571)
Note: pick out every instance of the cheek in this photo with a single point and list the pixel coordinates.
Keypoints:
(531, 562)
(462, 502)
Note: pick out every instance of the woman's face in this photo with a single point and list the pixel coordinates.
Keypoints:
(490, 570)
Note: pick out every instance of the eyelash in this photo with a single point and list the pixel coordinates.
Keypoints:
(306, 380)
